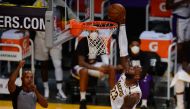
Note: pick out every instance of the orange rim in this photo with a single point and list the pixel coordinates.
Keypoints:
(99, 25)
(77, 27)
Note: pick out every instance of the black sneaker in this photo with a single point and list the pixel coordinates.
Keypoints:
(83, 104)
(144, 107)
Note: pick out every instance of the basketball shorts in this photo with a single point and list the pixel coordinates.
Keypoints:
(41, 52)
(180, 75)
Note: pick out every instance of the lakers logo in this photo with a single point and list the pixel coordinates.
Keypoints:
(114, 93)
(120, 88)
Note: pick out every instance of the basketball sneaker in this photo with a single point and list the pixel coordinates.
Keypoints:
(61, 95)
(83, 104)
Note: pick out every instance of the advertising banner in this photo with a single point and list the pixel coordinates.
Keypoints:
(28, 18)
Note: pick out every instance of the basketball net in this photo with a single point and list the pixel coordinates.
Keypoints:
(101, 44)
(97, 45)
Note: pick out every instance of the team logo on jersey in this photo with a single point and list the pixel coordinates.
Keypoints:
(114, 93)
(120, 88)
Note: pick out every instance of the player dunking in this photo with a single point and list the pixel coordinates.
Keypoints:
(126, 93)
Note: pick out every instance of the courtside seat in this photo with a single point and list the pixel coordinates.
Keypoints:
(156, 11)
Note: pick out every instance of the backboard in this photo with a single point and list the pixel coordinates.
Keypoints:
(59, 13)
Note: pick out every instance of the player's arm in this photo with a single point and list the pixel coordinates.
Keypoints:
(130, 101)
(13, 77)
(125, 62)
(40, 99)
(123, 47)
(171, 5)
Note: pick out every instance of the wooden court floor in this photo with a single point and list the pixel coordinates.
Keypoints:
(8, 105)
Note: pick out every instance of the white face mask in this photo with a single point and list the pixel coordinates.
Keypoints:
(135, 49)
(93, 35)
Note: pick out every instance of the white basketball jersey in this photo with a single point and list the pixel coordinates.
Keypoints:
(120, 90)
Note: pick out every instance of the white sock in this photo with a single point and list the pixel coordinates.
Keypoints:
(58, 69)
(46, 86)
(46, 89)
(59, 86)
(179, 88)
(180, 101)
(82, 95)
(144, 102)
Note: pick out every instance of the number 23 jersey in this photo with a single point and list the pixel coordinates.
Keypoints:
(120, 90)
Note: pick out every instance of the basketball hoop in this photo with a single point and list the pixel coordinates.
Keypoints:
(97, 45)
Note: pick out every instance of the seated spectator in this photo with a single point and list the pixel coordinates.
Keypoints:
(182, 76)
(86, 65)
(149, 62)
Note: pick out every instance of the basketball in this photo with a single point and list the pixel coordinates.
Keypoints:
(116, 12)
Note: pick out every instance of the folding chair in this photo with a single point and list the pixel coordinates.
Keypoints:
(156, 11)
